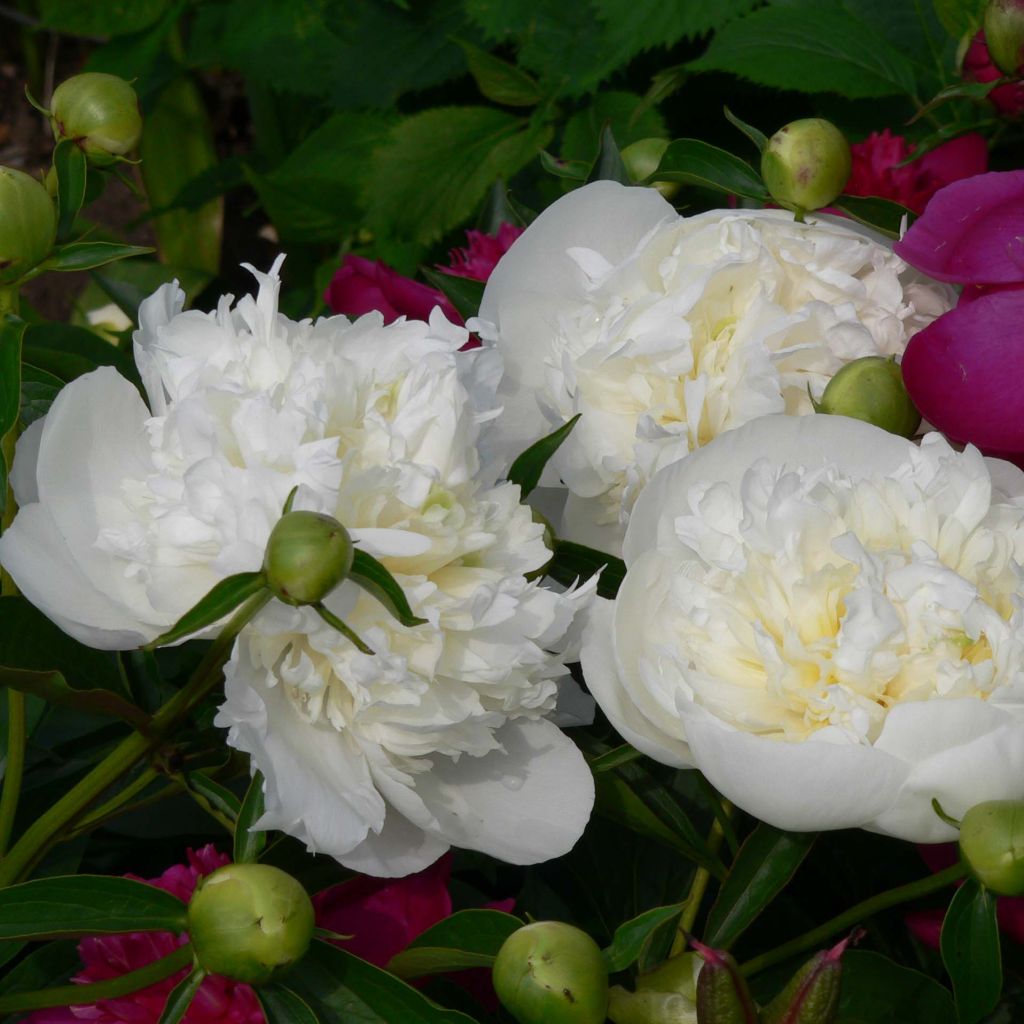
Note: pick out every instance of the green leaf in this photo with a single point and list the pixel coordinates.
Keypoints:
(72, 170)
(767, 860)
(692, 162)
(468, 938)
(975, 91)
(87, 255)
(610, 759)
(375, 579)
(177, 145)
(960, 17)
(342, 989)
(810, 47)
(180, 997)
(630, 938)
(609, 165)
(12, 331)
(464, 293)
(64, 907)
(576, 562)
(66, 352)
(213, 793)
(877, 991)
(38, 390)
(528, 467)
(437, 166)
(250, 844)
(881, 214)
(757, 137)
(45, 966)
(571, 170)
(222, 599)
(970, 951)
(106, 18)
(282, 1006)
(499, 80)
(129, 283)
(623, 112)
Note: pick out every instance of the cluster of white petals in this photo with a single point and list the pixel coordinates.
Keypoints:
(129, 514)
(665, 331)
(828, 621)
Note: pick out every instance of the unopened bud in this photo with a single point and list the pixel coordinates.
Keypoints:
(28, 223)
(812, 995)
(100, 113)
(552, 973)
(872, 389)
(992, 844)
(806, 164)
(648, 1007)
(249, 922)
(642, 159)
(1004, 35)
(308, 555)
(722, 994)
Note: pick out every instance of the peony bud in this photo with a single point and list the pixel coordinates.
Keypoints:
(992, 844)
(641, 160)
(806, 164)
(648, 1007)
(722, 994)
(100, 112)
(28, 224)
(812, 995)
(872, 389)
(552, 973)
(308, 555)
(249, 922)
(1004, 35)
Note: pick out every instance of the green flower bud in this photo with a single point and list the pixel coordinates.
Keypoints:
(722, 994)
(872, 389)
(992, 844)
(308, 555)
(1004, 35)
(806, 164)
(811, 996)
(100, 112)
(648, 1007)
(249, 922)
(28, 224)
(552, 973)
(641, 160)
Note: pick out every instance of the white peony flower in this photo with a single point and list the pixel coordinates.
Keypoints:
(445, 734)
(665, 331)
(828, 621)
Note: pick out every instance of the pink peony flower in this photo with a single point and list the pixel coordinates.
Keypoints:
(978, 67)
(875, 170)
(481, 256)
(218, 1001)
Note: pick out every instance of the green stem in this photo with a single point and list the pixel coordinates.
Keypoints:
(86, 995)
(17, 737)
(38, 837)
(854, 916)
(9, 299)
(699, 885)
(115, 804)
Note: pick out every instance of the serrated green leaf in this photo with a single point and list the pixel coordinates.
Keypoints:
(576, 563)
(222, 599)
(64, 907)
(810, 47)
(180, 997)
(876, 990)
(631, 937)
(468, 938)
(464, 293)
(375, 579)
(249, 843)
(499, 80)
(106, 18)
(757, 137)
(528, 467)
(282, 1006)
(86, 255)
(72, 170)
(970, 951)
(692, 162)
(881, 214)
(767, 860)
(437, 166)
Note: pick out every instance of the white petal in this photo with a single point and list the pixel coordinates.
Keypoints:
(400, 849)
(383, 543)
(524, 804)
(581, 523)
(26, 460)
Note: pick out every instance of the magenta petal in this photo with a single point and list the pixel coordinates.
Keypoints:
(965, 372)
(972, 231)
(962, 157)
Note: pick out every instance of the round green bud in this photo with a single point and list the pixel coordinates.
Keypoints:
(1004, 35)
(992, 845)
(307, 556)
(250, 922)
(552, 973)
(100, 112)
(641, 160)
(872, 389)
(806, 164)
(28, 223)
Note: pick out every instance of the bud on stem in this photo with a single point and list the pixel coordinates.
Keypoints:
(812, 994)
(992, 844)
(28, 225)
(1004, 35)
(871, 389)
(722, 994)
(806, 164)
(100, 113)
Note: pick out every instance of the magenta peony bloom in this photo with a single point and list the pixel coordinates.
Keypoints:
(978, 67)
(218, 1001)
(875, 170)
(481, 256)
